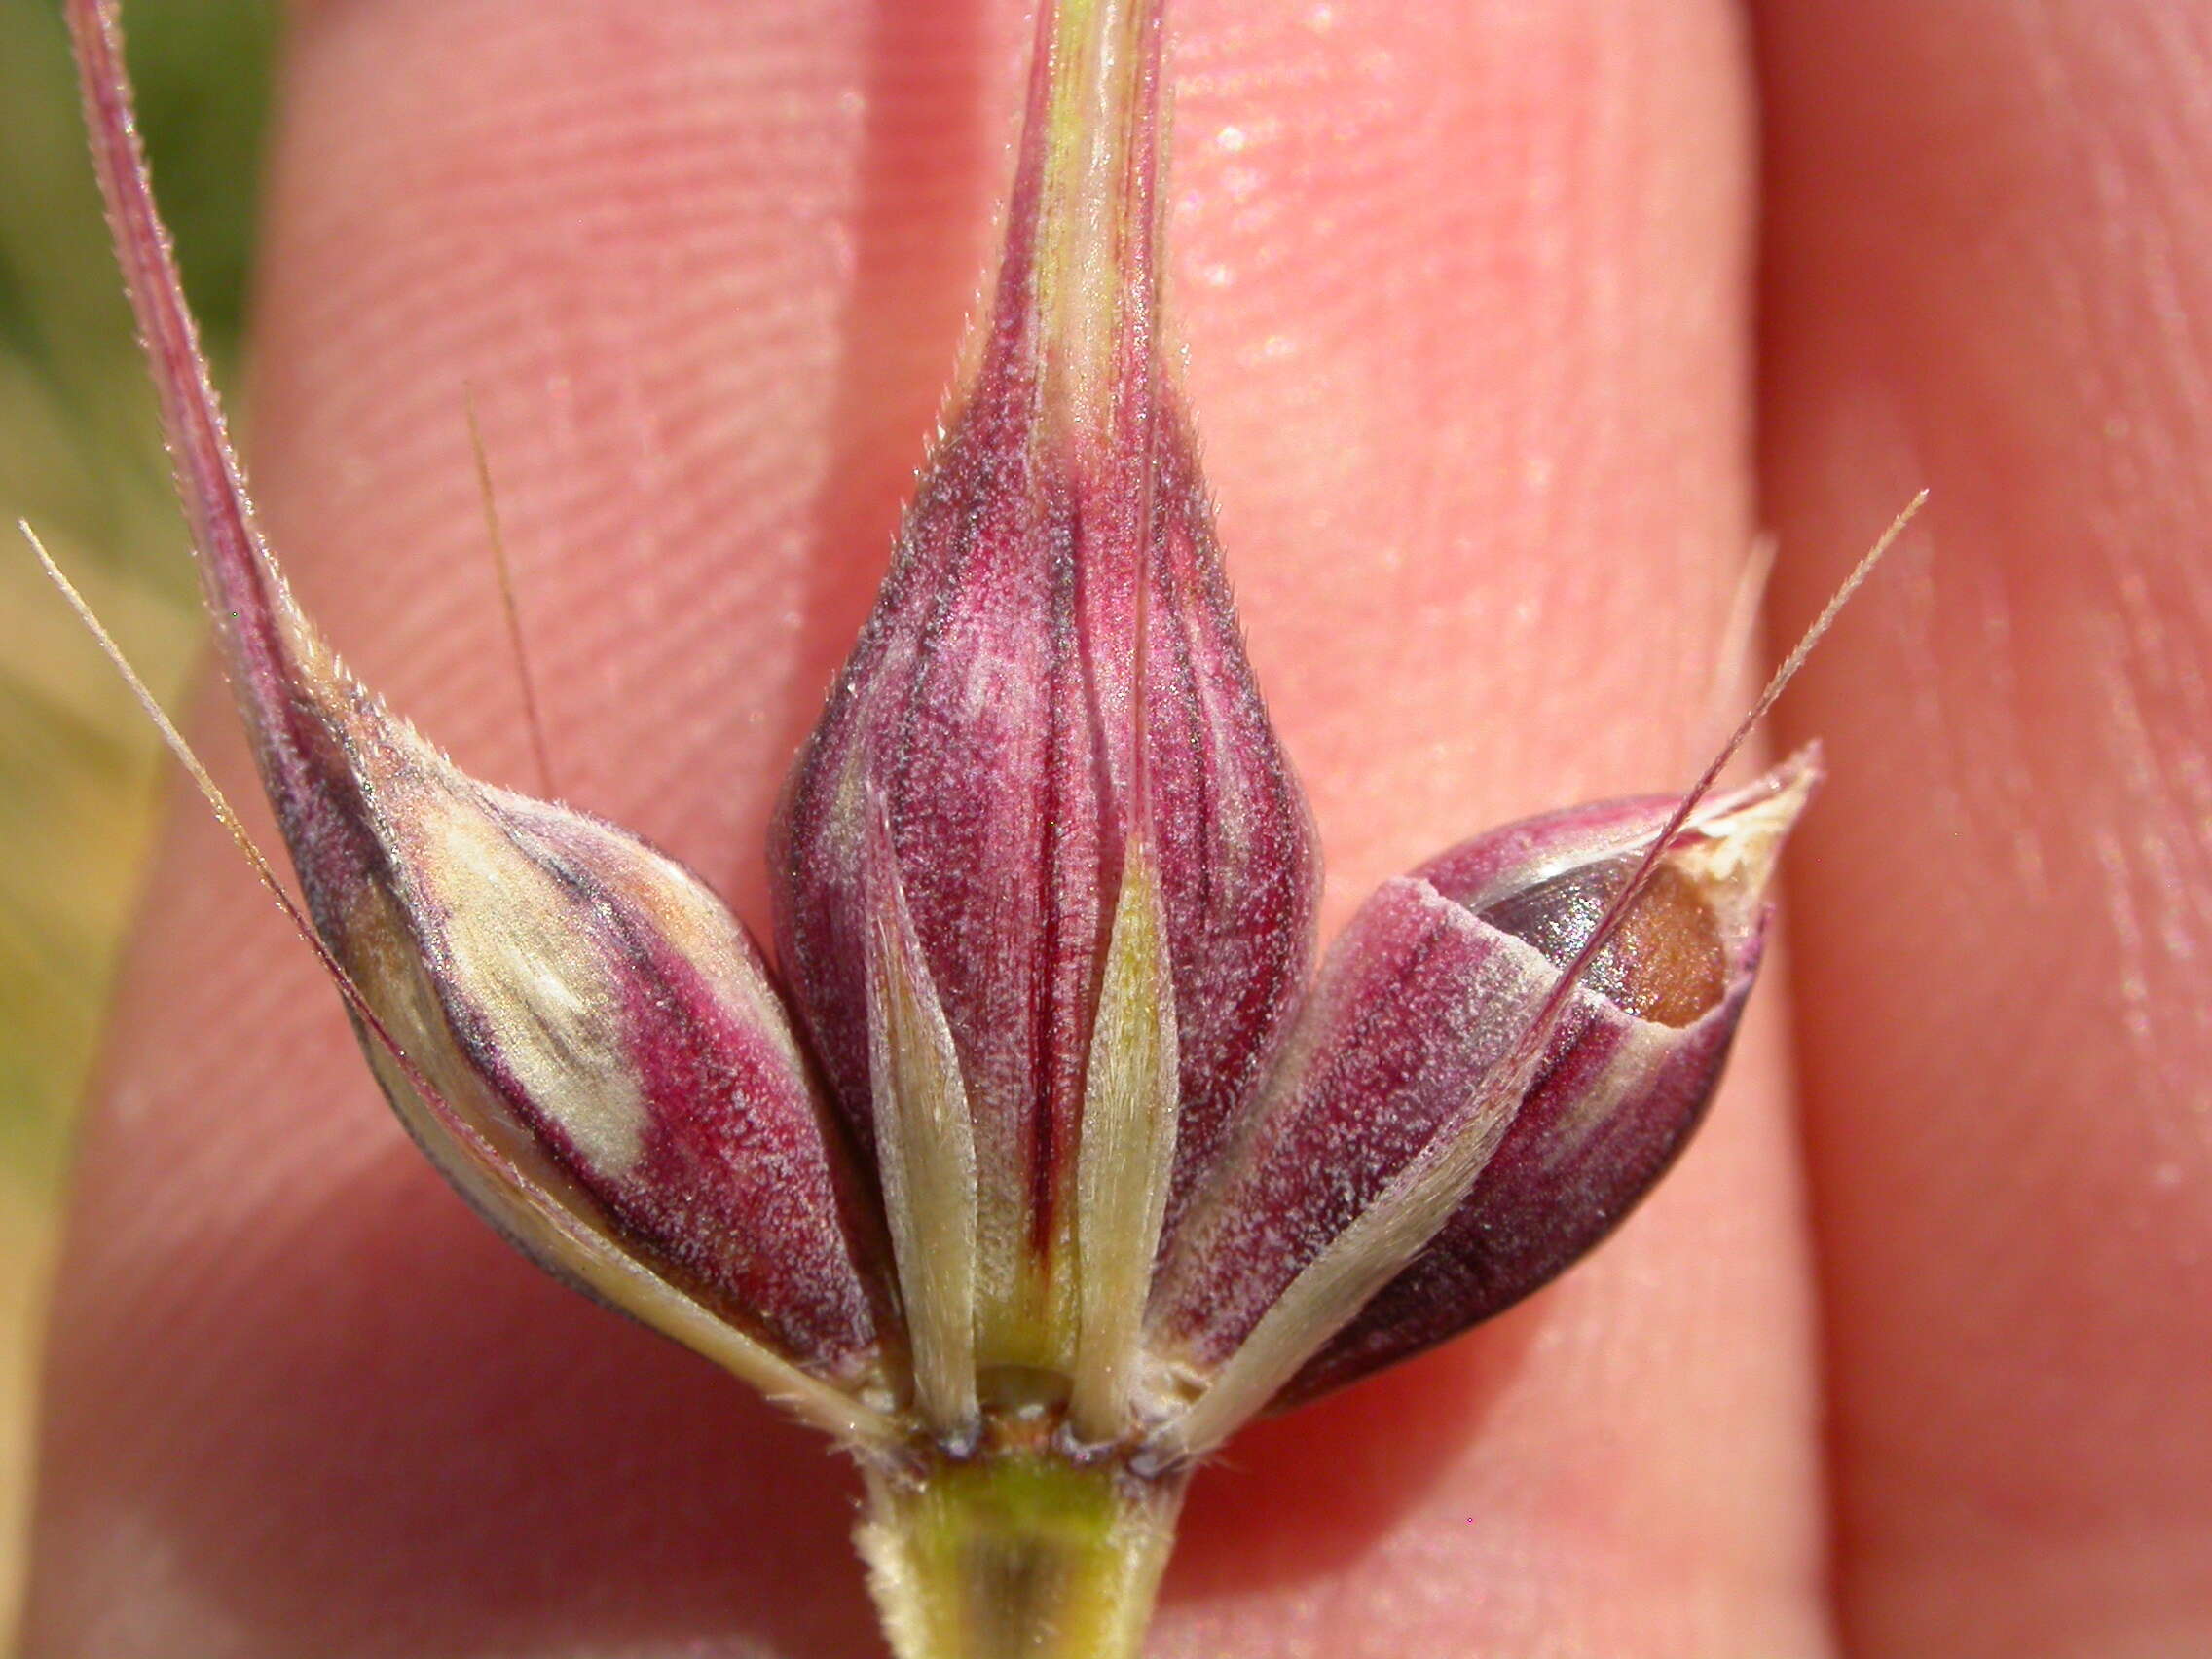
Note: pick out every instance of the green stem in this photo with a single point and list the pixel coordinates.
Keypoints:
(1018, 1555)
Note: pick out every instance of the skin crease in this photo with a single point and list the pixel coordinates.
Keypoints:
(1468, 293)
(2015, 1182)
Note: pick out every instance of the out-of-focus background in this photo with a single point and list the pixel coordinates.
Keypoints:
(79, 459)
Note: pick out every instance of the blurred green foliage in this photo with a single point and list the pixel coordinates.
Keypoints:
(80, 460)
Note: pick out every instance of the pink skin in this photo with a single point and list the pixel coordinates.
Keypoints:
(1469, 313)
